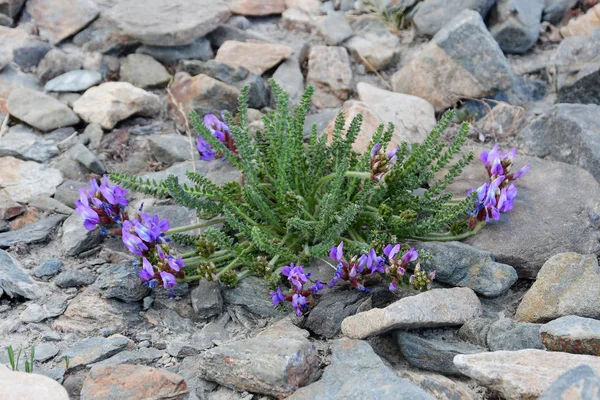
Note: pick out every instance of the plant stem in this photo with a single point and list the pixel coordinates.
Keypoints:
(195, 226)
(229, 266)
(327, 178)
(203, 259)
(448, 238)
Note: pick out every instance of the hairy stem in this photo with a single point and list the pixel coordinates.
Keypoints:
(195, 226)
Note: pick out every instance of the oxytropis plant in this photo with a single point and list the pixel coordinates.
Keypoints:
(298, 198)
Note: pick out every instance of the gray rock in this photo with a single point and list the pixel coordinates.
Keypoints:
(223, 33)
(462, 265)
(199, 49)
(566, 285)
(14, 281)
(438, 386)
(435, 308)
(167, 22)
(142, 356)
(577, 63)
(93, 350)
(45, 351)
(335, 28)
(198, 387)
(122, 282)
(432, 354)
(29, 54)
(207, 299)
(515, 24)
(238, 77)
(476, 331)
(180, 349)
(357, 372)
(87, 158)
(506, 334)
(177, 215)
(555, 10)
(32, 233)
(569, 133)
(252, 293)
(76, 239)
(52, 307)
(374, 43)
(74, 81)
(48, 204)
(289, 76)
(11, 7)
(68, 192)
(55, 63)
(430, 16)
(572, 334)
(58, 20)
(104, 36)
(445, 69)
(320, 119)
(23, 143)
(49, 267)
(580, 383)
(217, 171)
(170, 149)
(329, 71)
(270, 366)
(143, 71)
(212, 334)
(4, 226)
(39, 110)
(27, 179)
(74, 278)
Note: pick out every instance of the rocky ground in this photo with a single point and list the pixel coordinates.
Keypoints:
(89, 86)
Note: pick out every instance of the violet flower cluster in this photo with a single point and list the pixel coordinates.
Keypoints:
(498, 195)
(102, 205)
(221, 131)
(381, 163)
(298, 295)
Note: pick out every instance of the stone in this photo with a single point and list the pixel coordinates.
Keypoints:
(515, 24)
(167, 22)
(218, 172)
(170, 149)
(57, 62)
(505, 121)
(432, 354)
(68, 192)
(373, 45)
(113, 382)
(522, 374)
(438, 386)
(74, 81)
(39, 110)
(50, 267)
(112, 102)
(23, 143)
(48, 204)
(53, 307)
(257, 57)
(9, 208)
(351, 109)
(122, 282)
(143, 71)
(294, 19)
(430, 16)
(556, 10)
(45, 351)
(258, 97)
(199, 49)
(257, 8)
(476, 330)
(140, 356)
(565, 285)
(28, 55)
(252, 293)
(87, 158)
(92, 350)
(357, 372)
(335, 28)
(275, 367)
(105, 37)
(177, 215)
(569, 133)
(412, 116)
(14, 281)
(330, 73)
(95, 134)
(445, 71)
(35, 232)
(11, 7)
(76, 239)
(59, 19)
(207, 299)
(578, 383)
(289, 76)
(435, 308)
(201, 93)
(572, 334)
(458, 264)
(507, 334)
(224, 33)
(74, 278)
(577, 65)
(23, 385)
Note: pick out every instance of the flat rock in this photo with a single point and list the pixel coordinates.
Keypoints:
(140, 356)
(330, 73)
(217, 171)
(565, 285)
(167, 22)
(252, 293)
(170, 149)
(113, 382)
(76, 239)
(14, 281)
(122, 281)
(334, 28)
(270, 366)
(68, 192)
(572, 334)
(104, 36)
(50, 308)
(87, 158)
(462, 265)
(45, 351)
(93, 349)
(515, 24)
(476, 331)
(507, 334)
(373, 45)
(11, 7)
(143, 71)
(289, 76)
(257, 8)
(438, 386)
(40, 110)
(199, 49)
(74, 81)
(74, 278)
(111, 102)
(431, 15)
(9, 208)
(25, 385)
(57, 62)
(579, 383)
(357, 372)
(23, 143)
(31, 233)
(350, 108)
(255, 56)
(413, 117)
(435, 308)
(207, 299)
(523, 374)
(445, 71)
(59, 19)
(50, 267)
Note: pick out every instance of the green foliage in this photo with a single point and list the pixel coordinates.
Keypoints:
(395, 17)
(14, 361)
(299, 197)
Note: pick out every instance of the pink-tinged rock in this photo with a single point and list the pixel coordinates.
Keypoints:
(257, 57)
(257, 8)
(59, 19)
(371, 122)
(330, 73)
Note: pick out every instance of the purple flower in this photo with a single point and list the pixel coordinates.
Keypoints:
(410, 256)
(90, 217)
(175, 264)
(336, 276)
(521, 172)
(114, 195)
(221, 131)
(295, 275)
(150, 229)
(380, 162)
(298, 302)
(204, 149)
(375, 263)
(277, 296)
(317, 286)
(393, 285)
(337, 253)
(133, 243)
(168, 279)
(147, 272)
(391, 251)
(507, 198)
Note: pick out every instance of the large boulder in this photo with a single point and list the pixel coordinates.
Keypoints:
(581, 382)
(572, 334)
